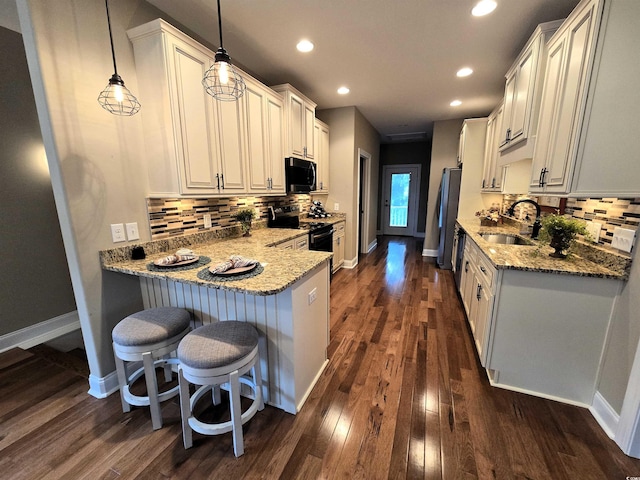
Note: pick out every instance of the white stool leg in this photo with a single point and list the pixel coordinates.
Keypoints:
(236, 414)
(122, 381)
(152, 390)
(215, 394)
(185, 410)
(168, 376)
(257, 381)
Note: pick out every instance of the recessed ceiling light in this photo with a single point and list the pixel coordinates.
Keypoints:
(343, 90)
(484, 7)
(464, 72)
(456, 103)
(304, 46)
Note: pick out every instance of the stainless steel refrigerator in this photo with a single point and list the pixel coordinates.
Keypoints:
(447, 208)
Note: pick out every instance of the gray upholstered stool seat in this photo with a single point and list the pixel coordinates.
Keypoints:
(150, 336)
(218, 354)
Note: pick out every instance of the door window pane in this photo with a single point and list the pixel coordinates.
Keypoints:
(399, 199)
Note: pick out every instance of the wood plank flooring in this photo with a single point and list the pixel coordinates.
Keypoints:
(403, 396)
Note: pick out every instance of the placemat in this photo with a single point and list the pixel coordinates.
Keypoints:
(201, 261)
(205, 274)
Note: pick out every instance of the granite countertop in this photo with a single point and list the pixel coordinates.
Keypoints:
(588, 261)
(281, 270)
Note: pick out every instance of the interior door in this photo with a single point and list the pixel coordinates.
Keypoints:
(400, 199)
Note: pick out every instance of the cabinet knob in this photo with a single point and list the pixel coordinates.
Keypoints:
(482, 269)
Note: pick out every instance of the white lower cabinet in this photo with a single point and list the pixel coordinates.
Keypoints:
(338, 245)
(298, 243)
(536, 332)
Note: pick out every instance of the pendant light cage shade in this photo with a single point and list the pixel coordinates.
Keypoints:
(117, 99)
(222, 81)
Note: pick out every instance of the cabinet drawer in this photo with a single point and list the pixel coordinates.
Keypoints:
(302, 243)
(486, 271)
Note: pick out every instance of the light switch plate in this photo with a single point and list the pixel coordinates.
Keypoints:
(594, 229)
(623, 239)
(132, 231)
(117, 233)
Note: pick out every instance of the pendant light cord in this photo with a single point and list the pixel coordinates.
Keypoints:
(113, 53)
(220, 24)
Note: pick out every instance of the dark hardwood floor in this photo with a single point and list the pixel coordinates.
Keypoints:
(403, 396)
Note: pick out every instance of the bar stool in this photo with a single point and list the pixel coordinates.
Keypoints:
(213, 355)
(150, 336)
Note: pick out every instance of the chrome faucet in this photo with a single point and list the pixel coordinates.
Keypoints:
(536, 225)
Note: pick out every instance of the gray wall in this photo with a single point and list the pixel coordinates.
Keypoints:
(35, 283)
(408, 153)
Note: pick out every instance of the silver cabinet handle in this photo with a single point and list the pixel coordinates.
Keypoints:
(478, 296)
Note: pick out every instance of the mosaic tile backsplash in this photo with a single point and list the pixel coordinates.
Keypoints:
(172, 217)
(610, 212)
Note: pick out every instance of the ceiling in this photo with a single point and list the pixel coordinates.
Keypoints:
(399, 58)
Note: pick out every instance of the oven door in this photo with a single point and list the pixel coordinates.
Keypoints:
(322, 241)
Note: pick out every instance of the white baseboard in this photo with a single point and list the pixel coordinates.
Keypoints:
(40, 332)
(605, 415)
(429, 253)
(372, 246)
(102, 387)
(350, 263)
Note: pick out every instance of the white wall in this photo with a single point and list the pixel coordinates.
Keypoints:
(444, 150)
(94, 157)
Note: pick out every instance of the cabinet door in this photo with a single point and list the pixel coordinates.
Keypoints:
(257, 143)
(522, 95)
(466, 284)
(309, 133)
(509, 100)
(322, 156)
(489, 158)
(297, 126)
(194, 109)
(231, 146)
(275, 134)
(482, 320)
(562, 97)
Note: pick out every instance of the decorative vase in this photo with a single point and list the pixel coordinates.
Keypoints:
(558, 243)
(246, 229)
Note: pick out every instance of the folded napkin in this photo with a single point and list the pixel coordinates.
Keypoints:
(235, 261)
(171, 259)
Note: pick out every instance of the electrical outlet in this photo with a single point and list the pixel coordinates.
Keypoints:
(623, 239)
(313, 295)
(336, 206)
(594, 229)
(117, 233)
(207, 220)
(132, 231)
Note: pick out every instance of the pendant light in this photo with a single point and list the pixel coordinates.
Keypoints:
(116, 98)
(221, 80)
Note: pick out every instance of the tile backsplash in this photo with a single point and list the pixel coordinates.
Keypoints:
(172, 217)
(610, 212)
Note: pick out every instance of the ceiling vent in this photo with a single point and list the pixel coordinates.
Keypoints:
(406, 137)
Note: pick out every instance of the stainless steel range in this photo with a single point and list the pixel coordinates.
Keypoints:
(320, 234)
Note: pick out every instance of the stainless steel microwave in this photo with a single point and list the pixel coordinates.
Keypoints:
(300, 175)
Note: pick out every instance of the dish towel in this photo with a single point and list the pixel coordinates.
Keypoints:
(235, 261)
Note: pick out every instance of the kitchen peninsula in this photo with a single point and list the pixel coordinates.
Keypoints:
(539, 324)
(288, 302)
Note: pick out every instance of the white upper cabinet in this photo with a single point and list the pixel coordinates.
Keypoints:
(322, 156)
(300, 115)
(492, 174)
(196, 145)
(265, 139)
(587, 138)
(522, 97)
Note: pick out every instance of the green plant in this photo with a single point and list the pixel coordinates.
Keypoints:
(245, 215)
(560, 232)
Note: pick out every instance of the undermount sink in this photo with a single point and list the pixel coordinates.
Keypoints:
(505, 239)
